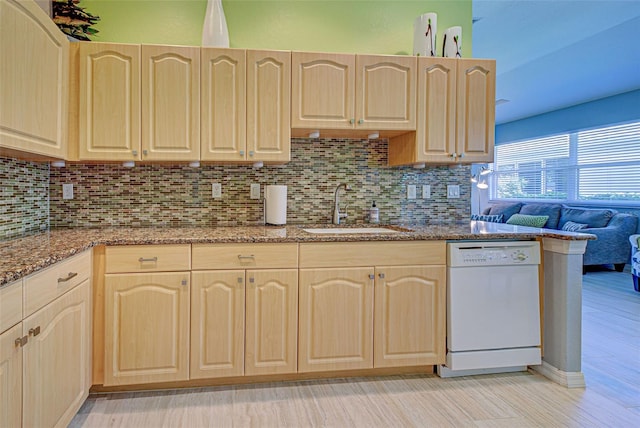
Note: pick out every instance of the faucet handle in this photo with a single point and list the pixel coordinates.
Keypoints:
(345, 214)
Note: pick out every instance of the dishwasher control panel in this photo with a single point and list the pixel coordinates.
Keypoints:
(493, 253)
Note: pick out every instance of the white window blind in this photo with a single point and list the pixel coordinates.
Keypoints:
(597, 165)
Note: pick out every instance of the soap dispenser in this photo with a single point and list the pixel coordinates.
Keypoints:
(374, 213)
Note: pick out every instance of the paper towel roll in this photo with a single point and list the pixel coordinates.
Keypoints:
(275, 199)
(424, 34)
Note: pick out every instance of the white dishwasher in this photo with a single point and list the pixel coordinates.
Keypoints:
(493, 307)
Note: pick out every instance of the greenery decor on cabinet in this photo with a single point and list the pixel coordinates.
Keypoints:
(74, 20)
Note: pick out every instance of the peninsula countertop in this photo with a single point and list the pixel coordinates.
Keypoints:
(23, 256)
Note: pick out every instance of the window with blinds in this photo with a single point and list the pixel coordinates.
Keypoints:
(597, 165)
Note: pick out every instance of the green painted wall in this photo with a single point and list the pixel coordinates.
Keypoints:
(353, 26)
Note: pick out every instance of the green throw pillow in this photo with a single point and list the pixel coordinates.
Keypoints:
(528, 220)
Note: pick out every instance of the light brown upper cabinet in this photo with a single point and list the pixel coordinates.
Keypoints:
(138, 102)
(170, 103)
(352, 92)
(456, 114)
(34, 78)
(245, 105)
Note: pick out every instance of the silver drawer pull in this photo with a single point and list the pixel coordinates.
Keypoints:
(71, 275)
(150, 260)
(250, 256)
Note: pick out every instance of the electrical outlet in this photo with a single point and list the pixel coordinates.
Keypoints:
(216, 190)
(67, 191)
(453, 191)
(426, 191)
(254, 193)
(411, 191)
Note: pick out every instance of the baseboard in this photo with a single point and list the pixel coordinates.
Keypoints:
(568, 379)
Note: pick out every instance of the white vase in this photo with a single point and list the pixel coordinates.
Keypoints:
(214, 30)
(452, 44)
(425, 28)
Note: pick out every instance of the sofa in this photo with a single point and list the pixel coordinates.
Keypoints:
(611, 227)
(634, 240)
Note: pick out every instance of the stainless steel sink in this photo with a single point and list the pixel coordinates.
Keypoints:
(349, 230)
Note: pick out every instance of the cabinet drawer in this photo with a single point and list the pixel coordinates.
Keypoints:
(241, 256)
(397, 253)
(10, 305)
(44, 286)
(148, 258)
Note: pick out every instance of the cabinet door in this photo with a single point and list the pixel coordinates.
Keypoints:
(385, 92)
(34, 81)
(170, 103)
(109, 101)
(146, 328)
(11, 378)
(436, 129)
(268, 106)
(409, 316)
(323, 90)
(272, 322)
(336, 319)
(476, 89)
(222, 104)
(57, 359)
(217, 324)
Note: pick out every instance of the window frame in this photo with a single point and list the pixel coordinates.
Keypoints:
(572, 176)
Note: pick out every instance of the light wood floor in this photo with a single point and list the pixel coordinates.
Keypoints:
(611, 365)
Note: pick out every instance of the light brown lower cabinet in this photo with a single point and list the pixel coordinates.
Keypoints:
(45, 345)
(11, 377)
(336, 319)
(146, 327)
(409, 320)
(263, 309)
(217, 324)
(56, 359)
(388, 314)
(244, 322)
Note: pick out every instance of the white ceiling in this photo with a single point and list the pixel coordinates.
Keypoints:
(552, 54)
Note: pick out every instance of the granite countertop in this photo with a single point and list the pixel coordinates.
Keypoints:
(22, 256)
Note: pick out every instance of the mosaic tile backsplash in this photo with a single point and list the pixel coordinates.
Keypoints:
(24, 197)
(177, 195)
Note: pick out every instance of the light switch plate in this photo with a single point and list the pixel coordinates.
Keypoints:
(411, 191)
(426, 191)
(216, 190)
(254, 193)
(453, 191)
(67, 191)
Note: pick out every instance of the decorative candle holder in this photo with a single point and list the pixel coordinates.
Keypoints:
(452, 43)
(425, 28)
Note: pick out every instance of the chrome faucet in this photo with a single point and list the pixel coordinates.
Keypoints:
(337, 215)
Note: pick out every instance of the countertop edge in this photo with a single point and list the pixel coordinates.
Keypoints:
(24, 256)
